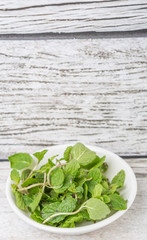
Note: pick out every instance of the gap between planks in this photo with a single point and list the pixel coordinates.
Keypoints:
(75, 35)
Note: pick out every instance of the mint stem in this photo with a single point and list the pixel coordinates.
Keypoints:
(31, 186)
(48, 175)
(65, 213)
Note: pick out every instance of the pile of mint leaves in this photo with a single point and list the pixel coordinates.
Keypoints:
(73, 190)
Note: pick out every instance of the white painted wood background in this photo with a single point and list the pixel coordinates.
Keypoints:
(19, 16)
(61, 91)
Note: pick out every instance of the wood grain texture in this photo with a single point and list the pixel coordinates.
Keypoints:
(58, 92)
(72, 16)
(132, 225)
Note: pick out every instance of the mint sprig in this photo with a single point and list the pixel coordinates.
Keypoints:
(69, 190)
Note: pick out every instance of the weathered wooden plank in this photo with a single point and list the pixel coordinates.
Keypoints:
(72, 16)
(57, 92)
(132, 225)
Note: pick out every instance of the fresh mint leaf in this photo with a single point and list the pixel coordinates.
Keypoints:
(67, 153)
(104, 167)
(81, 173)
(117, 202)
(35, 201)
(50, 209)
(105, 185)
(57, 177)
(77, 189)
(97, 209)
(77, 218)
(99, 161)
(34, 190)
(51, 164)
(29, 181)
(25, 173)
(18, 196)
(15, 176)
(106, 199)
(66, 184)
(20, 160)
(96, 177)
(40, 155)
(95, 174)
(85, 191)
(67, 205)
(83, 155)
(36, 216)
(119, 179)
(113, 188)
(72, 188)
(28, 199)
(72, 168)
(39, 176)
(46, 167)
(91, 185)
(97, 191)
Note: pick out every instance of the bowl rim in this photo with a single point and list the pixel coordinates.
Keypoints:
(82, 229)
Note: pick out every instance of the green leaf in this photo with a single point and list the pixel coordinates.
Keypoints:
(40, 155)
(19, 200)
(79, 191)
(39, 176)
(53, 194)
(97, 209)
(15, 176)
(25, 173)
(28, 199)
(104, 167)
(20, 160)
(81, 173)
(72, 168)
(46, 167)
(29, 181)
(95, 174)
(96, 178)
(81, 181)
(35, 201)
(67, 205)
(83, 155)
(46, 199)
(67, 153)
(77, 218)
(72, 188)
(85, 191)
(97, 191)
(91, 185)
(57, 177)
(106, 199)
(50, 161)
(119, 179)
(105, 185)
(36, 216)
(99, 161)
(66, 184)
(113, 188)
(117, 202)
(34, 190)
(50, 209)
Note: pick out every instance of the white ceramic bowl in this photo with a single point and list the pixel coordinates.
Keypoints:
(115, 164)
